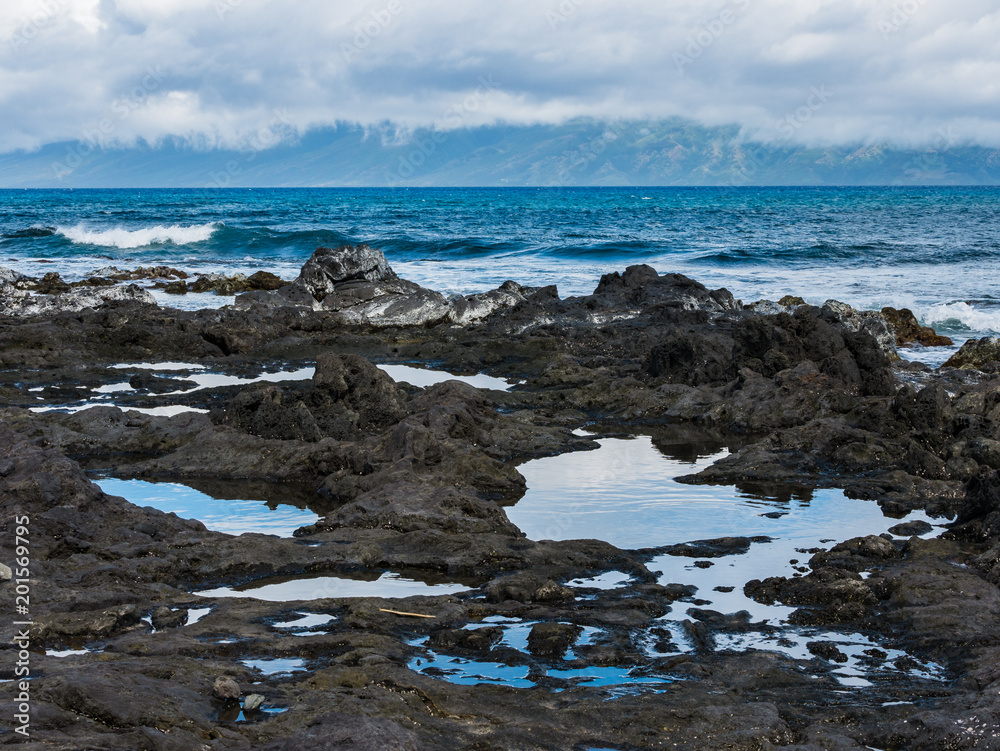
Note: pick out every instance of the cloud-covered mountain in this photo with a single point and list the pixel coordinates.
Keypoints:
(581, 152)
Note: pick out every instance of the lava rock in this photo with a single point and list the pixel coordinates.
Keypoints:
(857, 554)
(157, 385)
(475, 639)
(329, 267)
(349, 732)
(19, 303)
(552, 639)
(50, 284)
(908, 529)
(826, 650)
(253, 702)
(226, 689)
(163, 617)
(715, 548)
(528, 588)
(908, 331)
(976, 354)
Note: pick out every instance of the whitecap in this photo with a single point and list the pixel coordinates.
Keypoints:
(119, 237)
(959, 316)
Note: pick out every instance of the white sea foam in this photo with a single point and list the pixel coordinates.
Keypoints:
(960, 316)
(119, 237)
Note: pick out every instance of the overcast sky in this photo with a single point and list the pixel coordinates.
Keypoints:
(221, 72)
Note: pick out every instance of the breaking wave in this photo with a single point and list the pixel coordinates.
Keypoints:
(119, 237)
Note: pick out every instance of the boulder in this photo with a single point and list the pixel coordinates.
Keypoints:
(356, 283)
(329, 267)
(19, 303)
(163, 617)
(252, 703)
(908, 330)
(552, 639)
(226, 689)
(976, 354)
(870, 322)
(473, 308)
(348, 397)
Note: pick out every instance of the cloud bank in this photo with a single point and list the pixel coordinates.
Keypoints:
(228, 73)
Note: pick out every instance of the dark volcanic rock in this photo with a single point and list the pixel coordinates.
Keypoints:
(769, 345)
(349, 732)
(19, 303)
(356, 284)
(330, 267)
(50, 284)
(526, 587)
(717, 548)
(826, 650)
(696, 360)
(163, 617)
(349, 397)
(552, 639)
(908, 529)
(826, 596)
(857, 554)
(473, 308)
(412, 481)
(476, 639)
(979, 515)
(145, 381)
(231, 285)
(142, 272)
(908, 331)
(976, 353)
(226, 689)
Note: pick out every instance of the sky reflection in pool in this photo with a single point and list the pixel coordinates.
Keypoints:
(626, 493)
(292, 589)
(231, 516)
(623, 493)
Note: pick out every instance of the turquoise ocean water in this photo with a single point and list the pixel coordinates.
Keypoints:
(935, 250)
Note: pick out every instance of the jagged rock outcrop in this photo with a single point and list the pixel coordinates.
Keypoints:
(58, 297)
(977, 354)
(356, 284)
(909, 331)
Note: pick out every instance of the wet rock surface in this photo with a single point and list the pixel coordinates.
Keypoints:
(415, 481)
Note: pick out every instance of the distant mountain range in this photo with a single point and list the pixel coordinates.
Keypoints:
(580, 152)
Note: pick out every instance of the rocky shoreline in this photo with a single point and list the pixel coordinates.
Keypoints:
(416, 480)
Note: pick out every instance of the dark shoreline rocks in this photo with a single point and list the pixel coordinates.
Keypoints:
(416, 480)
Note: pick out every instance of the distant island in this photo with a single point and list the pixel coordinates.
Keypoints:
(578, 153)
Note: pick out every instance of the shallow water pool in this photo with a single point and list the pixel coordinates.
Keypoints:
(379, 584)
(233, 517)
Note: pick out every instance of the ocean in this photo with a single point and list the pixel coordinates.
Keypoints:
(935, 250)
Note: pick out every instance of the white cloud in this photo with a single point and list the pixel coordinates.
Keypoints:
(895, 69)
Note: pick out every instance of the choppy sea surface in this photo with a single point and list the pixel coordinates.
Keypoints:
(935, 250)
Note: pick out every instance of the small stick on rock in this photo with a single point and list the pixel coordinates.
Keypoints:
(400, 612)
